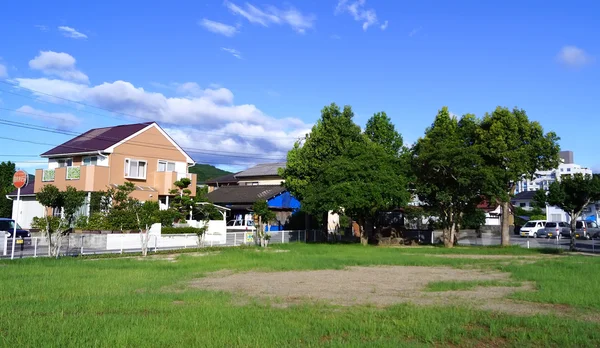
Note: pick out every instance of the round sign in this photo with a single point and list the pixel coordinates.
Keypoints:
(20, 178)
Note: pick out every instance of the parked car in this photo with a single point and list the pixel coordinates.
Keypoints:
(554, 229)
(532, 228)
(241, 226)
(586, 229)
(8, 226)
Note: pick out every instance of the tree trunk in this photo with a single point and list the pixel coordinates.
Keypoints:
(574, 217)
(505, 224)
(364, 238)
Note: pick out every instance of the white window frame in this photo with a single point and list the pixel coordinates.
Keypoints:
(127, 168)
(166, 162)
(65, 159)
(90, 157)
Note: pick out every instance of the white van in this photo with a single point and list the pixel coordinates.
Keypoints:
(533, 228)
(241, 226)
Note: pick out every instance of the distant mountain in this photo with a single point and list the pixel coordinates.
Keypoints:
(206, 171)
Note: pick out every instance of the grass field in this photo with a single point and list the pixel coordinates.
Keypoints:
(134, 302)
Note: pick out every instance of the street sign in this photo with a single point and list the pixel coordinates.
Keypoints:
(20, 179)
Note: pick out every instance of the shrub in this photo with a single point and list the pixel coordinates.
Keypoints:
(82, 222)
(182, 230)
(97, 221)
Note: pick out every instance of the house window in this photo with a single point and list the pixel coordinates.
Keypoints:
(252, 183)
(135, 169)
(568, 169)
(65, 162)
(90, 161)
(166, 166)
(522, 205)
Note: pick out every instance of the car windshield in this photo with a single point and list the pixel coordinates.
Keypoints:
(529, 224)
(579, 224)
(8, 225)
(551, 224)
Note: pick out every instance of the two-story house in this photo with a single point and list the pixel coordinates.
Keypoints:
(101, 158)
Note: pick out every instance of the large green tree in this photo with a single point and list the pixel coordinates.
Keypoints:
(449, 170)
(513, 148)
(365, 180)
(7, 170)
(382, 131)
(572, 194)
(329, 138)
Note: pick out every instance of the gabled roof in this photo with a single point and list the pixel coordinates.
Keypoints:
(264, 169)
(524, 196)
(107, 139)
(97, 139)
(225, 179)
(244, 194)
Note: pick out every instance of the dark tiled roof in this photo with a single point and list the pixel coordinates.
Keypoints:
(25, 191)
(225, 179)
(525, 195)
(97, 139)
(244, 194)
(265, 169)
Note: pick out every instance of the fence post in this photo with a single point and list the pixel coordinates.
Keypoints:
(81, 252)
(35, 243)
(282, 237)
(211, 242)
(314, 235)
(304, 236)
(185, 242)
(155, 243)
(234, 238)
(122, 241)
(5, 243)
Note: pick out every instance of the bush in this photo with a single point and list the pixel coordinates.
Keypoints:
(97, 221)
(39, 223)
(537, 217)
(81, 222)
(182, 230)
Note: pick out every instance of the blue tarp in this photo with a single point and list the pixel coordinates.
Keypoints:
(591, 218)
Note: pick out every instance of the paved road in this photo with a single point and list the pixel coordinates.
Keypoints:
(582, 245)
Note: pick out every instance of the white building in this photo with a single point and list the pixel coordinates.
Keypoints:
(543, 178)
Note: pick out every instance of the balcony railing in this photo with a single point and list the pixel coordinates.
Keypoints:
(73, 173)
(48, 175)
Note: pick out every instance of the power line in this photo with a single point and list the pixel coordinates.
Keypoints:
(132, 142)
(120, 113)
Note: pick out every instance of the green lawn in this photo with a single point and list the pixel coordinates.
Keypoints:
(125, 302)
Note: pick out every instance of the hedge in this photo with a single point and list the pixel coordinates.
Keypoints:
(180, 230)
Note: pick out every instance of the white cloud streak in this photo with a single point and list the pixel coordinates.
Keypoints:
(60, 120)
(574, 57)
(233, 52)
(58, 64)
(218, 27)
(357, 10)
(298, 21)
(3, 72)
(71, 32)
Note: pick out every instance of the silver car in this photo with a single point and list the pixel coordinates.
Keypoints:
(555, 229)
(586, 229)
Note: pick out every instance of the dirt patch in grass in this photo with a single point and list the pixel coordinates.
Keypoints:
(379, 286)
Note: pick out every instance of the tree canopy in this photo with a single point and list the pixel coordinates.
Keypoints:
(380, 130)
(513, 148)
(7, 170)
(449, 169)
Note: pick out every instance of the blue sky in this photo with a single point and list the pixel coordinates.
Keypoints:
(238, 82)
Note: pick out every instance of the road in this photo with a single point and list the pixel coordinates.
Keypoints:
(582, 245)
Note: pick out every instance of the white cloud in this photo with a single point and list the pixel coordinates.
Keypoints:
(41, 27)
(60, 120)
(71, 32)
(414, 32)
(58, 64)
(357, 10)
(200, 118)
(272, 15)
(573, 56)
(233, 52)
(3, 72)
(218, 27)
